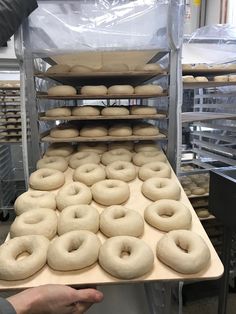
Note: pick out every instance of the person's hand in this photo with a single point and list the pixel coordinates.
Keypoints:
(54, 299)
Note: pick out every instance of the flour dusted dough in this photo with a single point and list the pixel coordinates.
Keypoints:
(221, 78)
(98, 90)
(82, 158)
(54, 162)
(148, 89)
(121, 170)
(98, 148)
(115, 111)
(46, 179)
(93, 131)
(89, 174)
(113, 253)
(59, 149)
(119, 154)
(145, 129)
(80, 69)
(201, 79)
(120, 129)
(64, 131)
(189, 79)
(149, 67)
(58, 112)
(115, 67)
(143, 110)
(184, 251)
(86, 111)
(62, 90)
(58, 68)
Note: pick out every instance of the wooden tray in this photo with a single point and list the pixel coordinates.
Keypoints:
(111, 96)
(209, 71)
(94, 274)
(108, 138)
(208, 84)
(123, 117)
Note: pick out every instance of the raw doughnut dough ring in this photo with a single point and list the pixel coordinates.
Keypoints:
(46, 179)
(86, 111)
(121, 170)
(115, 111)
(89, 174)
(58, 68)
(221, 78)
(121, 90)
(145, 130)
(73, 194)
(201, 79)
(119, 154)
(161, 188)
(82, 158)
(198, 191)
(143, 158)
(62, 90)
(65, 131)
(41, 221)
(126, 257)
(58, 112)
(31, 200)
(148, 89)
(93, 131)
(120, 130)
(115, 67)
(55, 162)
(73, 250)
(143, 110)
(78, 217)
(119, 221)
(110, 192)
(12, 268)
(149, 67)
(98, 90)
(188, 79)
(184, 251)
(59, 149)
(167, 215)
(154, 169)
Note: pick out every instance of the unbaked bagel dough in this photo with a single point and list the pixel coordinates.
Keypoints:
(119, 154)
(121, 170)
(188, 79)
(145, 129)
(201, 79)
(59, 149)
(86, 111)
(221, 78)
(58, 112)
(89, 174)
(98, 148)
(98, 90)
(54, 162)
(46, 179)
(167, 215)
(120, 90)
(110, 192)
(117, 220)
(120, 129)
(82, 158)
(146, 147)
(58, 68)
(115, 111)
(154, 169)
(232, 78)
(161, 188)
(149, 67)
(124, 145)
(143, 110)
(73, 250)
(184, 251)
(64, 131)
(144, 157)
(148, 89)
(93, 131)
(126, 257)
(115, 67)
(40, 221)
(78, 217)
(11, 268)
(81, 69)
(198, 191)
(32, 200)
(62, 90)
(202, 213)
(73, 194)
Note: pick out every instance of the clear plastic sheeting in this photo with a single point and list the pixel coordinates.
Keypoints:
(211, 44)
(59, 26)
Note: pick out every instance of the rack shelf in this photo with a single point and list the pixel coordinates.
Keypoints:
(206, 84)
(204, 116)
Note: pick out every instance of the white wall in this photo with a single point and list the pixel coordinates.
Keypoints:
(213, 12)
(8, 52)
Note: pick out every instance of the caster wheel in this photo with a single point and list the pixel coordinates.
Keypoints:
(4, 218)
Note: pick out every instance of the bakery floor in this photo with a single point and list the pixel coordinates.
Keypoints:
(131, 298)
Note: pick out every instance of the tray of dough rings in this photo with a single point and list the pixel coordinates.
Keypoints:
(105, 257)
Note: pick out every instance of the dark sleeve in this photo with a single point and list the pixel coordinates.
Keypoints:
(12, 13)
(6, 307)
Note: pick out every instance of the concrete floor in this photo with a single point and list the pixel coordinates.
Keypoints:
(131, 299)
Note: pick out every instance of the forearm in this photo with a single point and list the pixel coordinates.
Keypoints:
(12, 13)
